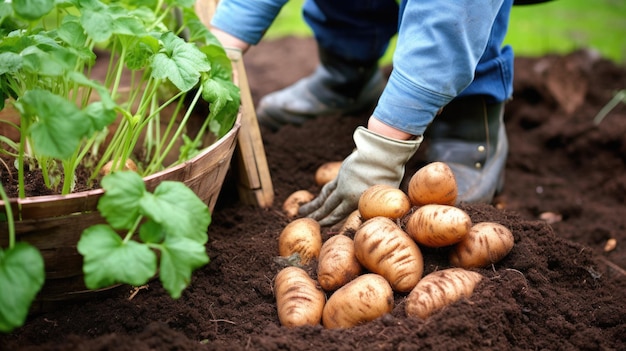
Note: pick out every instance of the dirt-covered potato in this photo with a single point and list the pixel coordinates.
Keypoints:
(438, 225)
(433, 184)
(384, 201)
(295, 200)
(485, 244)
(302, 236)
(327, 172)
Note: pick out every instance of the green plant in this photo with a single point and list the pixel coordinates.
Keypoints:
(46, 62)
(172, 220)
(161, 60)
(21, 276)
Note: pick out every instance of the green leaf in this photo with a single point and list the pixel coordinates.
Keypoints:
(72, 32)
(140, 4)
(99, 115)
(6, 10)
(10, 62)
(48, 60)
(32, 9)
(140, 54)
(224, 99)
(181, 3)
(152, 232)
(180, 62)
(58, 125)
(221, 64)
(179, 210)
(21, 277)
(179, 257)
(109, 260)
(101, 21)
(120, 204)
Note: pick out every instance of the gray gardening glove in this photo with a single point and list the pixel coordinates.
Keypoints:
(376, 160)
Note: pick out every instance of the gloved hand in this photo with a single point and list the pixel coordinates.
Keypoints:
(376, 160)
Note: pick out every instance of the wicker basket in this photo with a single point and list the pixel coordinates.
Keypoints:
(54, 224)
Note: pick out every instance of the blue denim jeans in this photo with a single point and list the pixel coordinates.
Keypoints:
(361, 30)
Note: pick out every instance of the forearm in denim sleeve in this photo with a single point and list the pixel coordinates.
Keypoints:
(439, 46)
(245, 19)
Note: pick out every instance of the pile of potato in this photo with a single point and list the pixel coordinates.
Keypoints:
(357, 277)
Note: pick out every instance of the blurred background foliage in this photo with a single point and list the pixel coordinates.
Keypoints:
(556, 27)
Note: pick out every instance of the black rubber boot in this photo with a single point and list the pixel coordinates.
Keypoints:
(469, 135)
(338, 86)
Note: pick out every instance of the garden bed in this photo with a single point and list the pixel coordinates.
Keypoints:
(557, 289)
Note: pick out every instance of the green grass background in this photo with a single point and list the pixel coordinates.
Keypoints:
(559, 27)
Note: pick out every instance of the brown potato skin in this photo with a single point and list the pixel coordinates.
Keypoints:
(433, 184)
(298, 299)
(337, 264)
(129, 165)
(439, 289)
(327, 172)
(352, 223)
(384, 248)
(438, 225)
(485, 244)
(385, 201)
(302, 236)
(295, 200)
(367, 297)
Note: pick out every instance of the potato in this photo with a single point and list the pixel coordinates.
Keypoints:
(352, 223)
(439, 289)
(384, 248)
(438, 225)
(337, 264)
(129, 165)
(298, 299)
(485, 244)
(302, 236)
(433, 184)
(364, 299)
(383, 200)
(295, 200)
(327, 172)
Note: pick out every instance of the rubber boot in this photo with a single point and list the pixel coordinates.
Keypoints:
(338, 86)
(469, 135)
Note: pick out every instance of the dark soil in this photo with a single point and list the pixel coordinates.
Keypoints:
(559, 289)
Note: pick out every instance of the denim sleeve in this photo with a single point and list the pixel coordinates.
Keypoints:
(245, 19)
(439, 46)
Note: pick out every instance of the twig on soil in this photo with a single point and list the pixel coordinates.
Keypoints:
(222, 320)
(613, 266)
(520, 273)
(135, 291)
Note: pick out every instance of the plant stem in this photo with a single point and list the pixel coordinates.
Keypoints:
(9, 212)
(43, 164)
(180, 128)
(131, 231)
(619, 97)
(120, 69)
(162, 139)
(20, 168)
(69, 172)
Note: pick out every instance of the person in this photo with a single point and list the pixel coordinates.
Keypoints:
(450, 79)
